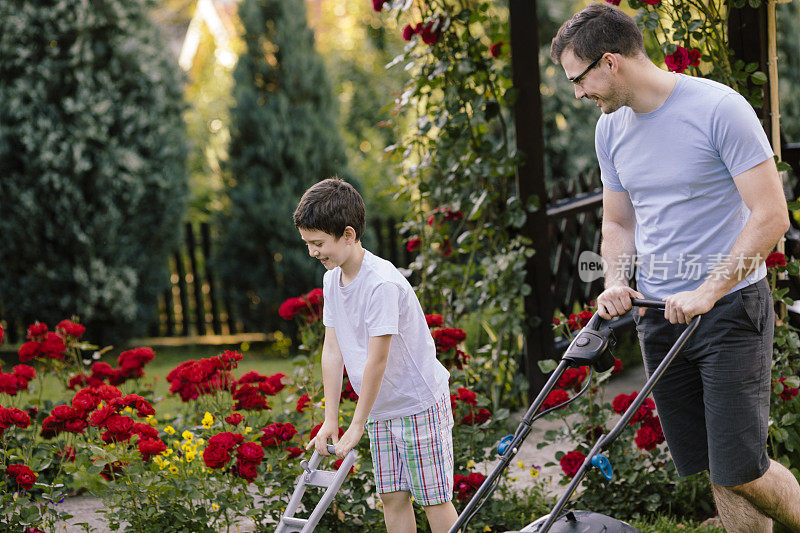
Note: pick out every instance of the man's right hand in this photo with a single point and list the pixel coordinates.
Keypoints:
(615, 301)
(320, 440)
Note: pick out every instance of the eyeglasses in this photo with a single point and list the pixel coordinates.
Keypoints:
(577, 79)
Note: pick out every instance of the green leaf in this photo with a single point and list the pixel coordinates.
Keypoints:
(759, 78)
(547, 365)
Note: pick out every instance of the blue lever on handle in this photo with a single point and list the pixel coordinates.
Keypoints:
(504, 443)
(602, 463)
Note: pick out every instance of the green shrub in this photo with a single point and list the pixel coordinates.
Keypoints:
(92, 157)
(283, 139)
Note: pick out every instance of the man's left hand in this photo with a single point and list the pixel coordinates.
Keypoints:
(349, 440)
(683, 306)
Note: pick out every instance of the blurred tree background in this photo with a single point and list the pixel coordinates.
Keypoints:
(92, 153)
(93, 141)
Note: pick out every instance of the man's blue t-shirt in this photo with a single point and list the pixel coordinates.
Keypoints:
(677, 163)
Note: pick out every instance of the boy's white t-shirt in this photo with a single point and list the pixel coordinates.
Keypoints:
(380, 301)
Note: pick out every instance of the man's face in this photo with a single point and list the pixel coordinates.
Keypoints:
(330, 251)
(592, 80)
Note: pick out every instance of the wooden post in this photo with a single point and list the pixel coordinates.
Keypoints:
(530, 182)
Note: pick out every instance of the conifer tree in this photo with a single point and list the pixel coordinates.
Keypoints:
(284, 138)
(92, 154)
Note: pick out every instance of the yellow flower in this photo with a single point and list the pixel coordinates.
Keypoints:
(173, 469)
(199, 442)
(167, 452)
(470, 464)
(486, 528)
(128, 410)
(159, 461)
(207, 420)
(190, 456)
(150, 419)
(521, 465)
(534, 472)
(169, 430)
(214, 507)
(247, 430)
(322, 403)
(187, 436)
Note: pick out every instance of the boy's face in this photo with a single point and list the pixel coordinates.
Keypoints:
(332, 252)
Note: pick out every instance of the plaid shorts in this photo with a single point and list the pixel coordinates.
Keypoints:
(415, 453)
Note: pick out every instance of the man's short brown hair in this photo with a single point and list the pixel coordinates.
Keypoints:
(330, 206)
(597, 29)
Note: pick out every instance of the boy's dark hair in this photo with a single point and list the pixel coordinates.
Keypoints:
(597, 29)
(330, 206)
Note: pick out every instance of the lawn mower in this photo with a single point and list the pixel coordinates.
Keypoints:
(590, 347)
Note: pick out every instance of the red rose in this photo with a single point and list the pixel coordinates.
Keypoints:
(120, 425)
(775, 259)
(377, 5)
(9, 384)
(465, 486)
(694, 57)
(145, 431)
(53, 346)
(644, 412)
(149, 448)
(408, 33)
(316, 429)
(37, 330)
(571, 462)
(18, 417)
(430, 32)
(476, 417)
(446, 338)
(215, 456)
(99, 417)
(130, 362)
(434, 320)
(496, 49)
(24, 371)
(291, 307)
(295, 451)
(24, 476)
(70, 329)
(76, 425)
(622, 401)
(246, 471)
(614, 2)
(234, 419)
(338, 464)
(414, 242)
(2, 333)
(556, 397)
(617, 367)
(678, 60)
(250, 452)
(652, 2)
(29, 350)
(467, 396)
(230, 359)
(302, 403)
(64, 412)
(572, 378)
(226, 439)
(646, 438)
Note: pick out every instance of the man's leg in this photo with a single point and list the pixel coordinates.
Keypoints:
(748, 508)
(441, 517)
(398, 512)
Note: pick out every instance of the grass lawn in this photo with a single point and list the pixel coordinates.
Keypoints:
(668, 525)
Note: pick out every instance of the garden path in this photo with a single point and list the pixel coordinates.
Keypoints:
(84, 508)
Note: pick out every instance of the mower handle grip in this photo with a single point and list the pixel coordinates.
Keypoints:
(647, 302)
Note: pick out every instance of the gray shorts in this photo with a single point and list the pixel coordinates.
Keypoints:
(713, 400)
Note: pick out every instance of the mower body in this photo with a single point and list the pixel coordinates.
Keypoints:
(581, 522)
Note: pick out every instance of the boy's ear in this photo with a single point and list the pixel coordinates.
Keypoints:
(349, 234)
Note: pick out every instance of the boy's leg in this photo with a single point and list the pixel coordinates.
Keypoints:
(441, 517)
(398, 513)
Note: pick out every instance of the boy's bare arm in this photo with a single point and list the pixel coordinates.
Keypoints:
(332, 365)
(370, 386)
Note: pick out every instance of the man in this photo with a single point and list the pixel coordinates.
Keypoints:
(691, 191)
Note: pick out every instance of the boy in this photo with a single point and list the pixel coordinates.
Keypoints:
(376, 329)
